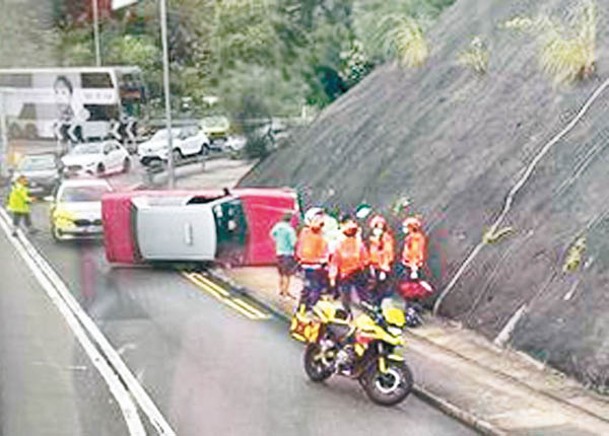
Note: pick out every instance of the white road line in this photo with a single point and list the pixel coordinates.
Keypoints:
(65, 300)
(128, 408)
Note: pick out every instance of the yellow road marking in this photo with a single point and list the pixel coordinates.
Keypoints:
(241, 309)
(213, 285)
(200, 285)
(251, 308)
(224, 296)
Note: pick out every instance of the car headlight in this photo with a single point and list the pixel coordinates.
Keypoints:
(63, 218)
(90, 164)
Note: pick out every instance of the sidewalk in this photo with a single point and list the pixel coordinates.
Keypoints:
(494, 390)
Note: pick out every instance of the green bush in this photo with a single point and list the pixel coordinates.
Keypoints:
(568, 49)
(257, 146)
(405, 40)
(476, 56)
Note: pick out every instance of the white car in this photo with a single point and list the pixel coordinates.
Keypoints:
(96, 158)
(234, 144)
(187, 142)
(76, 209)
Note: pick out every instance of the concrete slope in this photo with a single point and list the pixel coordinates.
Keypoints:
(456, 144)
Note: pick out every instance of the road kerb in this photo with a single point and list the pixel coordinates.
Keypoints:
(450, 409)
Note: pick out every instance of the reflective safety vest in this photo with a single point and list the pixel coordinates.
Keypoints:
(350, 256)
(415, 250)
(311, 247)
(382, 251)
(19, 199)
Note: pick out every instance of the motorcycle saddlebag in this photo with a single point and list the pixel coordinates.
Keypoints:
(303, 328)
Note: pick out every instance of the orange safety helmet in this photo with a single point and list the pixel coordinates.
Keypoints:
(378, 221)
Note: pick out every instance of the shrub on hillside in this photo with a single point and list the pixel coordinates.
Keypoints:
(568, 49)
(476, 56)
(403, 38)
(257, 146)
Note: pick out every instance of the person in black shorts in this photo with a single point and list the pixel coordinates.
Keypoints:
(284, 236)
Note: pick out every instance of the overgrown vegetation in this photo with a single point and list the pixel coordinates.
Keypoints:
(568, 47)
(404, 40)
(575, 254)
(285, 54)
(476, 56)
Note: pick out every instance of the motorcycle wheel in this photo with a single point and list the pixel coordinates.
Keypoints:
(314, 367)
(390, 388)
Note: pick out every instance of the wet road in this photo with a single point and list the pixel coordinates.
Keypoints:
(48, 384)
(209, 368)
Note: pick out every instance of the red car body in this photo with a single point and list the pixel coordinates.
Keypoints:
(256, 212)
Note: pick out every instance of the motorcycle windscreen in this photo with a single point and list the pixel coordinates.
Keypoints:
(177, 233)
(231, 226)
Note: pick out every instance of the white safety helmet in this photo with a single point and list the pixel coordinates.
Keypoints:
(313, 216)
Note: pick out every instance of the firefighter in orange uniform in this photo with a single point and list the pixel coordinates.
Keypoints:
(312, 254)
(349, 264)
(414, 255)
(382, 254)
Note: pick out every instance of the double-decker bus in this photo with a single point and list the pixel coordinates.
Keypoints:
(37, 100)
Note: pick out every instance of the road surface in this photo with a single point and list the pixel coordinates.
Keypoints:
(210, 363)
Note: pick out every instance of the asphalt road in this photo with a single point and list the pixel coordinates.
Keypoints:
(209, 368)
(48, 385)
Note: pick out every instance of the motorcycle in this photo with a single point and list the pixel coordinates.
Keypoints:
(362, 349)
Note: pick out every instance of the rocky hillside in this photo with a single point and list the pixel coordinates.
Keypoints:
(457, 143)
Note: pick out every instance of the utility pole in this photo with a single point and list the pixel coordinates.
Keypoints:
(170, 162)
(96, 33)
(4, 139)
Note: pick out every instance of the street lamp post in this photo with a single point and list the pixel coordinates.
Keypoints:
(170, 162)
(96, 33)
(117, 4)
(4, 138)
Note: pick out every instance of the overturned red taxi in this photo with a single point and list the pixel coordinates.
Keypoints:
(202, 226)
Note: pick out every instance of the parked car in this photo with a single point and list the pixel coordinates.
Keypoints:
(187, 142)
(43, 172)
(76, 209)
(234, 144)
(96, 158)
(216, 128)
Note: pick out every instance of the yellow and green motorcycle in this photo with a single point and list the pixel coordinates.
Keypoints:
(364, 348)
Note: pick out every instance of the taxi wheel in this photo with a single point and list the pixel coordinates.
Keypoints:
(56, 233)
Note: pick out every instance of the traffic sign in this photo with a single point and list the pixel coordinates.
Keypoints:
(114, 129)
(131, 129)
(58, 130)
(72, 134)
